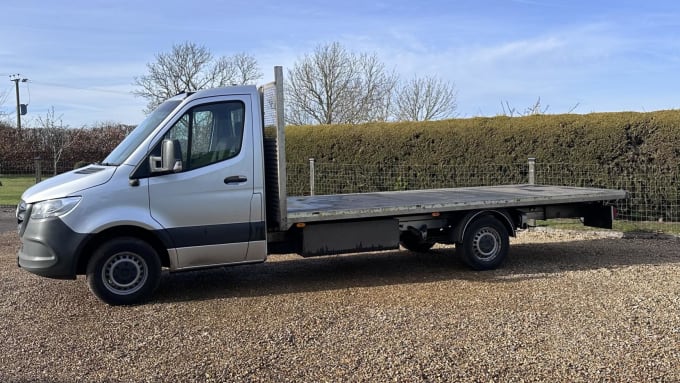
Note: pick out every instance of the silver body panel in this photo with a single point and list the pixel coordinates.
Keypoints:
(69, 183)
(112, 205)
(216, 255)
(209, 255)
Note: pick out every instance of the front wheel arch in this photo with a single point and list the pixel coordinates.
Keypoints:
(116, 232)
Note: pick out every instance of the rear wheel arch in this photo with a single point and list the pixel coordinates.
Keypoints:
(482, 237)
(485, 243)
(463, 224)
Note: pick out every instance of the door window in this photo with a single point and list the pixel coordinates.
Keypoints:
(209, 133)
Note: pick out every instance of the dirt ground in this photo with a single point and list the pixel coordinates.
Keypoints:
(563, 307)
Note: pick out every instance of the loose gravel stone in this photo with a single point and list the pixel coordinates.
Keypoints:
(577, 307)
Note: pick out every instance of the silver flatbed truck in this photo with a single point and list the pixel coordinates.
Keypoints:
(201, 182)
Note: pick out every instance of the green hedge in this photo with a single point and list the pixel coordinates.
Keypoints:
(618, 139)
(639, 152)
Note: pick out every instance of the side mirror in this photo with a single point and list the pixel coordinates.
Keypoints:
(170, 159)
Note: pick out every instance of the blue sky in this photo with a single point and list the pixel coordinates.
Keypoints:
(81, 56)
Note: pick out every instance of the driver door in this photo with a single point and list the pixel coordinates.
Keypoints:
(206, 207)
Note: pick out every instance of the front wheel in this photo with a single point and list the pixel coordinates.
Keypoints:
(124, 271)
(485, 243)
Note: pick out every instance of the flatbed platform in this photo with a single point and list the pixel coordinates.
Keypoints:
(411, 202)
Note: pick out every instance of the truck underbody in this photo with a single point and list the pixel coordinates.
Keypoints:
(417, 219)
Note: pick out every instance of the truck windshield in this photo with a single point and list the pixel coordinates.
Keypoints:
(140, 133)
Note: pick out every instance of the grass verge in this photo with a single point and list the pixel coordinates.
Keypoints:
(12, 188)
(622, 226)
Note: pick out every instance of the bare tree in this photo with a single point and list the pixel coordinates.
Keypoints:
(333, 85)
(534, 109)
(54, 137)
(190, 67)
(424, 99)
(246, 68)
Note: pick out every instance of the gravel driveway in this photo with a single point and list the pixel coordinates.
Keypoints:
(8, 221)
(562, 308)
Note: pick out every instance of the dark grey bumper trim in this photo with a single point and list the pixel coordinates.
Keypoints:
(50, 248)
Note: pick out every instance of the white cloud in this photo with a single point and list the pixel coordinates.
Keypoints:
(559, 66)
(518, 50)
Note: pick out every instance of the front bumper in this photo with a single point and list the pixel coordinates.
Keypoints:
(50, 248)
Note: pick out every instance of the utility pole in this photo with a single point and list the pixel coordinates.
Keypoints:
(17, 78)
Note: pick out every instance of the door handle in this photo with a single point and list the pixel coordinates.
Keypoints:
(235, 180)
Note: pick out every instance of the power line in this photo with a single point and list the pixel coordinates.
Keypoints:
(28, 90)
(4, 95)
(8, 90)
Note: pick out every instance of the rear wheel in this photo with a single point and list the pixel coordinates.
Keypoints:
(124, 271)
(485, 243)
(412, 242)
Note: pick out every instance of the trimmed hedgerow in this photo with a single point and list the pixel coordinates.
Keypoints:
(612, 139)
(599, 149)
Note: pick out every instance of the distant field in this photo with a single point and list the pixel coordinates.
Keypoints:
(12, 187)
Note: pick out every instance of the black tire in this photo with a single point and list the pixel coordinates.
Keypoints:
(485, 243)
(411, 242)
(124, 271)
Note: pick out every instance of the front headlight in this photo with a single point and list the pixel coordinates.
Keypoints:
(53, 207)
